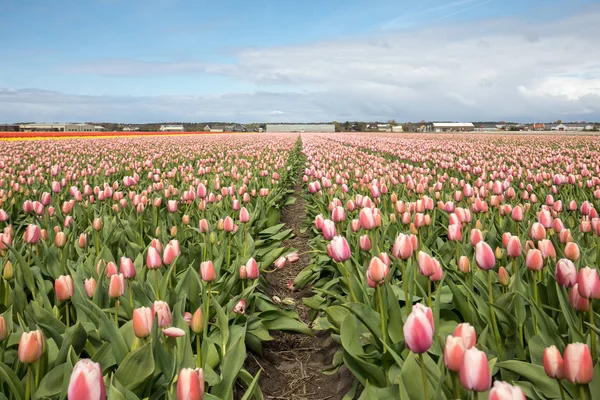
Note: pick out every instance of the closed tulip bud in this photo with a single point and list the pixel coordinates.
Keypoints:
(547, 249)
(438, 272)
(402, 248)
(455, 233)
(31, 347)
(577, 301)
(3, 329)
(566, 273)
(505, 391)
(63, 286)
(425, 263)
(537, 231)
(44, 234)
(185, 220)
(338, 214)
(252, 270)
(419, 329)
(90, 287)
(394, 221)
(474, 371)
(553, 363)
(329, 230)
(517, 214)
(464, 265)
(319, 222)
(545, 219)
(340, 249)
(364, 243)
(190, 384)
(170, 254)
(163, 313)
(143, 319)
(127, 268)
(97, 224)
(454, 351)
(60, 240)
(203, 226)
(117, 286)
(207, 271)
(228, 224)
(197, 324)
(498, 253)
(503, 276)
(153, 260)
(377, 271)
(578, 364)
(534, 260)
(86, 381)
(8, 272)
(383, 256)
(572, 251)
(111, 269)
(484, 256)
(367, 219)
(33, 234)
(589, 283)
(513, 247)
(82, 241)
(244, 215)
(173, 231)
(476, 236)
(212, 238)
(467, 333)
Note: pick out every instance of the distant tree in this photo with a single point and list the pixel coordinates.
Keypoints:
(347, 126)
(337, 126)
(392, 122)
(558, 121)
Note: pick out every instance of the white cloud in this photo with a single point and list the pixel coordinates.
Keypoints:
(497, 69)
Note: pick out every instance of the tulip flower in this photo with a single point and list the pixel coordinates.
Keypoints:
(163, 314)
(190, 384)
(364, 243)
(86, 381)
(329, 230)
(505, 391)
(127, 268)
(566, 273)
(280, 262)
(467, 333)
(116, 287)
(90, 287)
(553, 363)
(453, 353)
(367, 219)
(534, 260)
(464, 265)
(63, 286)
(292, 257)
(142, 322)
(474, 371)
(252, 271)
(578, 364)
(425, 263)
(377, 270)
(153, 260)
(418, 336)
(340, 249)
(484, 256)
(173, 332)
(207, 271)
(403, 248)
(31, 347)
(33, 234)
(240, 307)
(513, 247)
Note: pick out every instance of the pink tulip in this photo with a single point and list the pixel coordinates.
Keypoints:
(425, 263)
(467, 333)
(207, 271)
(127, 268)
(513, 247)
(116, 288)
(280, 262)
(367, 219)
(252, 271)
(240, 307)
(377, 270)
(572, 251)
(163, 313)
(403, 248)
(63, 286)
(589, 283)
(328, 230)
(90, 287)
(537, 231)
(244, 215)
(578, 302)
(419, 329)
(474, 371)
(578, 363)
(190, 384)
(454, 351)
(86, 381)
(547, 248)
(455, 233)
(293, 257)
(484, 256)
(228, 224)
(566, 273)
(340, 250)
(33, 234)
(173, 332)
(534, 260)
(31, 346)
(553, 363)
(153, 260)
(143, 318)
(505, 391)
(364, 243)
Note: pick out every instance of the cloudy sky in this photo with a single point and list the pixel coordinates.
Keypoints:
(310, 60)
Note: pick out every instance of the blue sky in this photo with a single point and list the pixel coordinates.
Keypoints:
(184, 60)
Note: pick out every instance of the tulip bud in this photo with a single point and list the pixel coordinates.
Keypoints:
(578, 364)
(577, 301)
(63, 287)
(153, 260)
(484, 256)
(454, 351)
(419, 329)
(572, 251)
(3, 329)
(31, 347)
(90, 287)
(503, 276)
(97, 224)
(534, 260)
(207, 271)
(163, 313)
(190, 384)
(7, 272)
(505, 391)
(60, 240)
(553, 363)
(474, 371)
(116, 288)
(143, 318)
(82, 240)
(467, 333)
(86, 381)
(566, 273)
(464, 265)
(377, 270)
(198, 321)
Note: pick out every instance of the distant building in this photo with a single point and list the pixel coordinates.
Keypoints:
(397, 128)
(539, 126)
(171, 128)
(452, 127)
(300, 128)
(487, 128)
(58, 127)
(384, 128)
(131, 129)
(9, 128)
(572, 127)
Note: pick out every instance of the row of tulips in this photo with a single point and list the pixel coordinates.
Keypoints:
(421, 241)
(134, 268)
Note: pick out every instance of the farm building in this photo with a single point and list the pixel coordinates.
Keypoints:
(572, 127)
(452, 126)
(487, 128)
(67, 127)
(9, 128)
(171, 128)
(300, 128)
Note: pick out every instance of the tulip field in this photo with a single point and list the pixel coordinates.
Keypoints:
(441, 266)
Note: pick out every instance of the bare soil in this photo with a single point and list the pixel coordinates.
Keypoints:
(292, 363)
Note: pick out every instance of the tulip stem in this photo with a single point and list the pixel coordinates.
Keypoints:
(429, 292)
(37, 373)
(592, 333)
(404, 286)
(6, 288)
(28, 383)
(67, 311)
(493, 314)
(206, 313)
(535, 299)
(562, 391)
(475, 395)
(156, 281)
(581, 393)
(198, 352)
(245, 242)
(228, 250)
(456, 386)
(349, 282)
(382, 313)
(516, 274)
(117, 312)
(424, 375)
(131, 294)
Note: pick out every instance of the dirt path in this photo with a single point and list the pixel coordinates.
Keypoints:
(292, 363)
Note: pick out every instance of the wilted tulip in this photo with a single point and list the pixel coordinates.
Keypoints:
(240, 307)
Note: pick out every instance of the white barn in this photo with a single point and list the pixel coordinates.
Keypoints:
(453, 126)
(171, 128)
